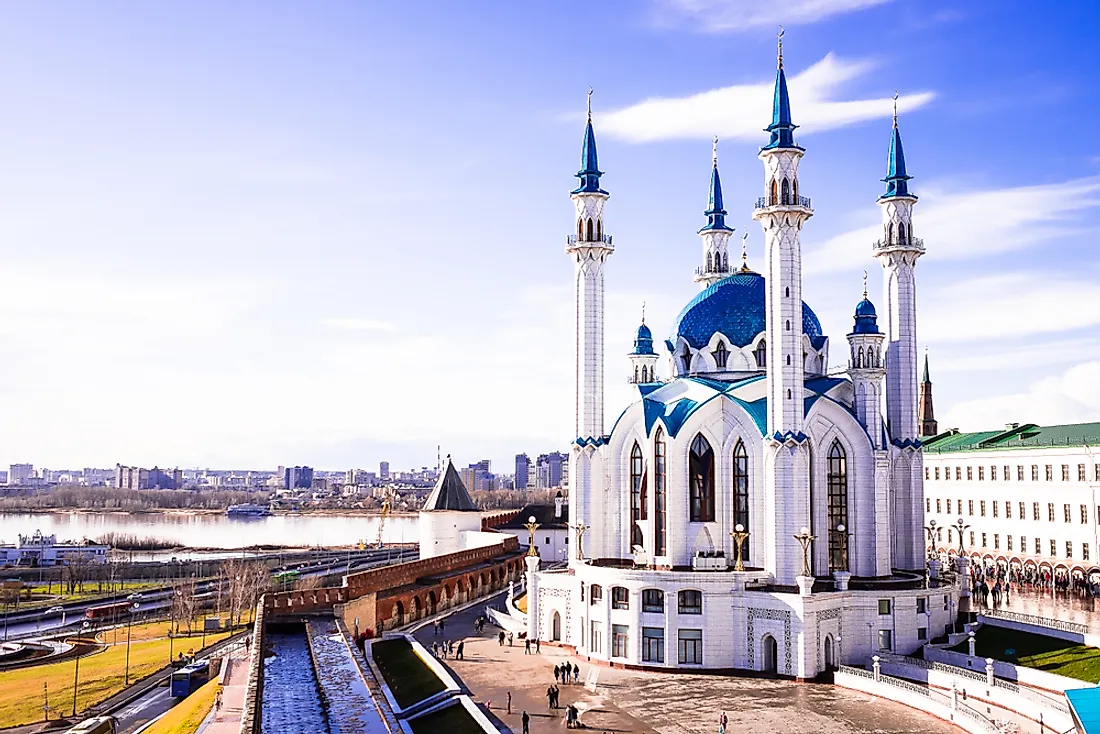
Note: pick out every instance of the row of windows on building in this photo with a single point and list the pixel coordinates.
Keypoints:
(701, 485)
(1022, 545)
(995, 506)
(1006, 473)
(689, 643)
(688, 601)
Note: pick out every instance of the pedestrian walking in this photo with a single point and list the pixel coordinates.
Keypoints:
(509, 702)
(461, 645)
(723, 722)
(442, 626)
(526, 723)
(550, 697)
(218, 701)
(526, 647)
(509, 639)
(557, 672)
(576, 673)
(537, 651)
(557, 698)
(435, 627)
(450, 647)
(500, 638)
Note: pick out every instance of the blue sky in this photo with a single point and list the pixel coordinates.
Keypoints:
(260, 233)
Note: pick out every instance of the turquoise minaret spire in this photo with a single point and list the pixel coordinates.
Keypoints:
(897, 181)
(716, 211)
(782, 129)
(590, 169)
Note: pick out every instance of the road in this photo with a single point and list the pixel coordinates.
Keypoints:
(33, 624)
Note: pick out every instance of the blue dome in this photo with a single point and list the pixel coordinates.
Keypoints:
(866, 318)
(643, 343)
(733, 307)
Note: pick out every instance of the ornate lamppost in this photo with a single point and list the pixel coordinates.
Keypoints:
(805, 539)
(532, 526)
(841, 534)
(739, 535)
(930, 528)
(960, 526)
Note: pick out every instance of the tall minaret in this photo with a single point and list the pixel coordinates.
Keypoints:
(928, 424)
(898, 251)
(715, 234)
(782, 213)
(589, 247)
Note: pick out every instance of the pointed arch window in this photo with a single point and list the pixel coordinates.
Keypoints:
(589, 238)
(599, 229)
(762, 354)
(786, 191)
(701, 480)
(901, 234)
(710, 262)
(741, 489)
(890, 233)
(837, 481)
(859, 357)
(721, 355)
(659, 494)
(685, 357)
(636, 373)
(636, 482)
(775, 194)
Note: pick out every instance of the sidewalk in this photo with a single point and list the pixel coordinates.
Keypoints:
(227, 720)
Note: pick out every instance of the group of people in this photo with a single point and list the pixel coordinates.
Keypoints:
(993, 584)
(563, 670)
(441, 649)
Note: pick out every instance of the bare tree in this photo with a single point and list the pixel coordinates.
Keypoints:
(184, 604)
(78, 569)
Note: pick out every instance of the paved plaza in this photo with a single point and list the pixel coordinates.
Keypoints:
(659, 703)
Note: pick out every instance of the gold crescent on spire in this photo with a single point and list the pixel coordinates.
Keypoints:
(744, 253)
(643, 312)
(895, 108)
(865, 284)
(780, 39)
(590, 90)
(714, 153)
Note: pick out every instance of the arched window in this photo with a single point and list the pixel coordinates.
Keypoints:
(859, 357)
(787, 292)
(685, 358)
(788, 325)
(636, 537)
(794, 191)
(637, 480)
(599, 229)
(890, 233)
(762, 354)
(580, 229)
(788, 360)
(636, 373)
(659, 497)
(775, 194)
(701, 479)
(786, 192)
(837, 481)
(901, 234)
(589, 237)
(741, 490)
(710, 262)
(721, 354)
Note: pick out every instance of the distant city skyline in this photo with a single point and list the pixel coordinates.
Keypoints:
(254, 234)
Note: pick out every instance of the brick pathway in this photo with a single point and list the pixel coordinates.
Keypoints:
(661, 703)
(227, 719)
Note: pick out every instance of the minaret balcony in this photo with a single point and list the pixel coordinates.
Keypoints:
(912, 244)
(767, 202)
(573, 239)
(717, 272)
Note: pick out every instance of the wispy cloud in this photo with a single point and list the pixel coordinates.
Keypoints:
(718, 16)
(739, 111)
(1071, 397)
(355, 323)
(971, 224)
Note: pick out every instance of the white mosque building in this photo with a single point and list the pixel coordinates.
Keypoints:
(748, 439)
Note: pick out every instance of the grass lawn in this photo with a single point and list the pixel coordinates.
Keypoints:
(101, 675)
(40, 599)
(185, 717)
(453, 720)
(408, 678)
(1037, 651)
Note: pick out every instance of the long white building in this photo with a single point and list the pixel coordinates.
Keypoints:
(1029, 494)
(745, 441)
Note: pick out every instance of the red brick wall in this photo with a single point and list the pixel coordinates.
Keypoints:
(495, 521)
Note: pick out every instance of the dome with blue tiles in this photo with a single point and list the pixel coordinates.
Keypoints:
(643, 342)
(733, 307)
(866, 318)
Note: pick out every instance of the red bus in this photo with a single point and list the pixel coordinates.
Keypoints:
(109, 611)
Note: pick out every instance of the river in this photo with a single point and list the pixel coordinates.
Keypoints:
(208, 530)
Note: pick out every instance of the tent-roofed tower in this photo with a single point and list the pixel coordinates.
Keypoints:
(928, 425)
(447, 514)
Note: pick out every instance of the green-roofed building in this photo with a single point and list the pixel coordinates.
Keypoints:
(1030, 494)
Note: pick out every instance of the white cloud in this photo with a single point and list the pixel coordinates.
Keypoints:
(740, 111)
(356, 323)
(958, 225)
(716, 16)
(1071, 397)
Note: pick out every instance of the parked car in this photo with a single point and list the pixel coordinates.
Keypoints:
(135, 596)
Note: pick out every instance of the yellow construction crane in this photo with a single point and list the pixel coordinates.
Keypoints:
(386, 503)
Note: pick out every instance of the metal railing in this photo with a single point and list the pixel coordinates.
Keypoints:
(574, 239)
(765, 201)
(723, 270)
(1036, 620)
(856, 671)
(912, 243)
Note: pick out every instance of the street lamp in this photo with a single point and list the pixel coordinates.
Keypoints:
(532, 526)
(739, 535)
(960, 526)
(805, 539)
(871, 637)
(930, 528)
(129, 624)
(841, 535)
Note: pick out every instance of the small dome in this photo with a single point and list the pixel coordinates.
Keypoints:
(734, 307)
(643, 342)
(866, 318)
